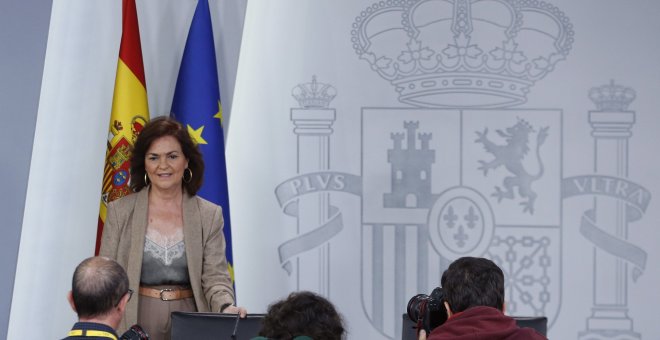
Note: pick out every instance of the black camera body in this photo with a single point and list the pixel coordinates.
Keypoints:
(135, 333)
(428, 311)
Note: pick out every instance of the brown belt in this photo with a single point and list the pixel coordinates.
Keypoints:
(166, 294)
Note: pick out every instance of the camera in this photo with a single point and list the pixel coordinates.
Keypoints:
(135, 333)
(428, 311)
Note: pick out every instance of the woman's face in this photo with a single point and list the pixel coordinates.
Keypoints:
(165, 163)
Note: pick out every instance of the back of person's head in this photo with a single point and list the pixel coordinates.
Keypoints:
(98, 285)
(302, 314)
(471, 282)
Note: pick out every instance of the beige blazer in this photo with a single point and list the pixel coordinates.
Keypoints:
(123, 240)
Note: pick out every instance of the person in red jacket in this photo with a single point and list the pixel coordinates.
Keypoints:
(474, 299)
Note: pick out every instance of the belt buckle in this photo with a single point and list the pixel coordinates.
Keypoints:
(165, 290)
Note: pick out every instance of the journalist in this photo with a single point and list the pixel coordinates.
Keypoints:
(474, 299)
(99, 294)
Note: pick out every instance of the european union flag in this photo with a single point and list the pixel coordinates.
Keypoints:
(196, 105)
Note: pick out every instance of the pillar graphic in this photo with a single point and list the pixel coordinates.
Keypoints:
(313, 126)
(611, 129)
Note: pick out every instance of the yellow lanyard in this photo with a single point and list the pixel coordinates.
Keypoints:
(103, 334)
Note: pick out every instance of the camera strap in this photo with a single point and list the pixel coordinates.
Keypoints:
(90, 333)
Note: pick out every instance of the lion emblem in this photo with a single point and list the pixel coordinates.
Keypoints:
(511, 155)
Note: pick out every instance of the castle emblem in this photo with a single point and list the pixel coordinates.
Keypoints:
(411, 170)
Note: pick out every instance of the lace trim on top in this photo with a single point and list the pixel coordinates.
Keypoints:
(165, 248)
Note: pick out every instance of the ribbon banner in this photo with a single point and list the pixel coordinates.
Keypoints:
(315, 182)
(637, 197)
(612, 244)
(288, 193)
(637, 200)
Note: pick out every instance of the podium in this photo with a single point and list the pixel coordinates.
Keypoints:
(216, 326)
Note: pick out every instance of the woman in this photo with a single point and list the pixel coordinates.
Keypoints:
(169, 240)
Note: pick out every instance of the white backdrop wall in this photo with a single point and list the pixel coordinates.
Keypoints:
(316, 204)
(577, 257)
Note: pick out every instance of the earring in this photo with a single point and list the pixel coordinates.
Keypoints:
(146, 180)
(184, 175)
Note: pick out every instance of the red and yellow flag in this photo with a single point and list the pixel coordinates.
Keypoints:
(130, 112)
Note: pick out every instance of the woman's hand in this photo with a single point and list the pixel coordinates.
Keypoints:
(231, 309)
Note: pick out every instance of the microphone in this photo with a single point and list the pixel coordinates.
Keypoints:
(135, 333)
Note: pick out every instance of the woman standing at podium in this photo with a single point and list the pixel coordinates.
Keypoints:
(169, 241)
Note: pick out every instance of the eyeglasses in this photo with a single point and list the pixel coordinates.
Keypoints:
(130, 294)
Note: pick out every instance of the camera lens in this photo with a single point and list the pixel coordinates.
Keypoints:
(417, 306)
(428, 311)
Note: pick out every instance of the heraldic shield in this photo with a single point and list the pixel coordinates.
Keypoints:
(439, 184)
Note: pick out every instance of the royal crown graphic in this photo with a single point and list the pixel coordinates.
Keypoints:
(612, 97)
(314, 95)
(462, 53)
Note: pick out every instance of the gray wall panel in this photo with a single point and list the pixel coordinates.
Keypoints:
(23, 35)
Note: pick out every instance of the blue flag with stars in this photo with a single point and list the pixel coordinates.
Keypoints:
(196, 105)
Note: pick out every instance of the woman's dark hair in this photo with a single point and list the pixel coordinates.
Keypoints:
(161, 127)
(302, 313)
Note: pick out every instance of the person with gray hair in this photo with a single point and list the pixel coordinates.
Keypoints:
(99, 294)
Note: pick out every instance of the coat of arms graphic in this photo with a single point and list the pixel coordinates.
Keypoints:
(462, 174)
(461, 168)
(428, 201)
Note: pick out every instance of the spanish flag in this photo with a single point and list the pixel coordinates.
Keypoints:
(130, 112)
(196, 104)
